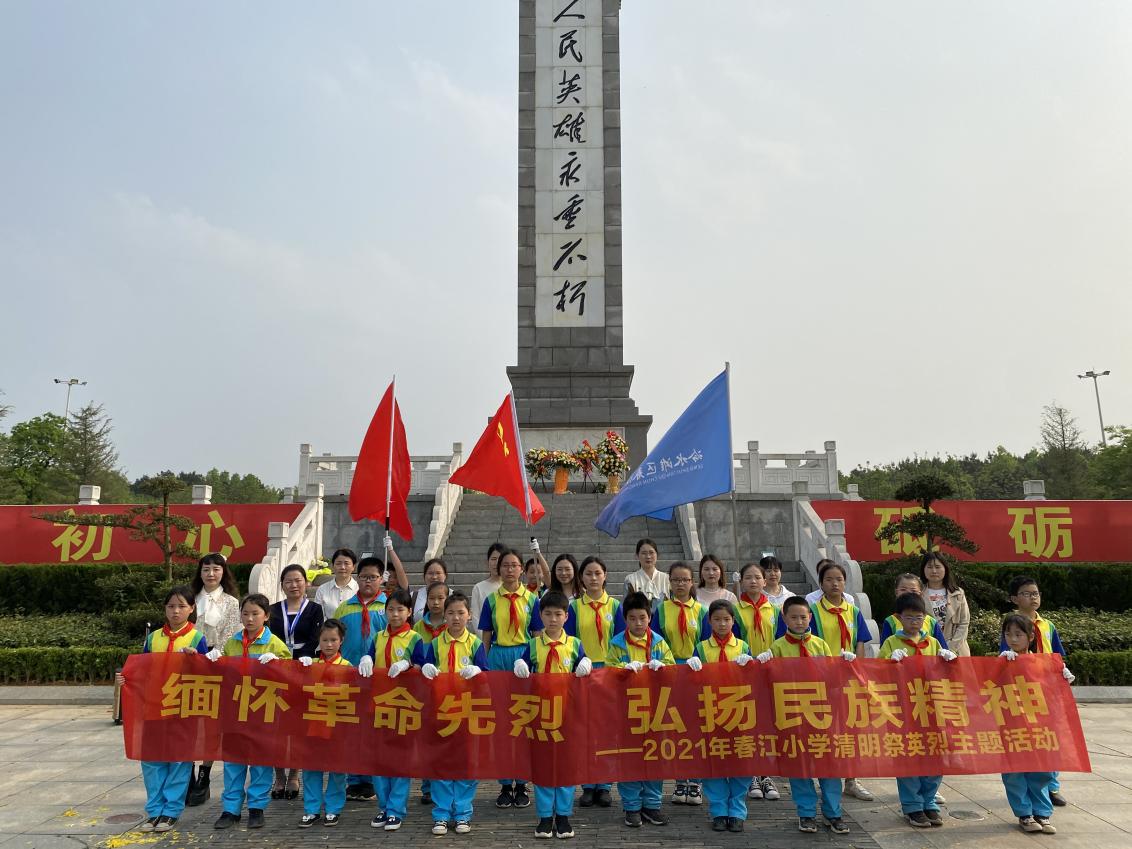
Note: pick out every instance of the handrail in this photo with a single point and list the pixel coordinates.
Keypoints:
(689, 531)
(446, 506)
(299, 542)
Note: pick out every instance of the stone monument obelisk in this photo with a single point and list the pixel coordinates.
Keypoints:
(571, 382)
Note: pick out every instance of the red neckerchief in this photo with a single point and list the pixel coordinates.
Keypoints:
(596, 607)
(843, 626)
(365, 614)
(514, 612)
(682, 622)
(722, 647)
(332, 660)
(1039, 646)
(917, 646)
(247, 643)
(646, 646)
(532, 587)
(434, 632)
(173, 635)
(800, 642)
(452, 641)
(552, 656)
(390, 633)
(756, 623)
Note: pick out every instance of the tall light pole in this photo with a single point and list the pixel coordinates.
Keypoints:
(1094, 375)
(74, 381)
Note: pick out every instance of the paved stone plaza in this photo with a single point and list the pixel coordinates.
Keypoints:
(65, 783)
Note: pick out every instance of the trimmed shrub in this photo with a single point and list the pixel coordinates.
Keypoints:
(1081, 631)
(60, 665)
(1103, 668)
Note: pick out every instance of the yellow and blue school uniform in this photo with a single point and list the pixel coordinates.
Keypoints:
(841, 626)
(167, 782)
(452, 800)
(1046, 641)
(428, 634)
(891, 625)
(548, 656)
(390, 647)
(334, 797)
(258, 777)
(594, 622)
(802, 790)
(682, 624)
(756, 621)
(625, 648)
(727, 797)
(361, 630)
(917, 792)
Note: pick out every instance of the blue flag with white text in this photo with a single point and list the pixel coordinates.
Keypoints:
(691, 462)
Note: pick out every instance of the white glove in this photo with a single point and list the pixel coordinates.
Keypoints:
(398, 667)
(898, 655)
(1067, 675)
(387, 541)
(743, 659)
(534, 545)
(848, 655)
(306, 661)
(429, 671)
(214, 655)
(467, 672)
(1009, 655)
(521, 669)
(655, 664)
(764, 657)
(948, 655)
(365, 666)
(267, 657)
(634, 666)
(695, 664)
(585, 667)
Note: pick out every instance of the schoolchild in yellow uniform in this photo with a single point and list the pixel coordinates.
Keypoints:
(508, 621)
(455, 651)
(431, 624)
(635, 648)
(330, 638)
(917, 793)
(253, 641)
(726, 796)
(167, 783)
(682, 621)
(756, 621)
(798, 640)
(909, 583)
(554, 652)
(594, 617)
(395, 649)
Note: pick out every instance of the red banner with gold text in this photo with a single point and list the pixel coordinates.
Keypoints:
(238, 531)
(791, 717)
(1006, 531)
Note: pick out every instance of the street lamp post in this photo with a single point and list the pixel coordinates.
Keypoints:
(1094, 375)
(74, 381)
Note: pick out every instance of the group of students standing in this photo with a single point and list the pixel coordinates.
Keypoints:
(538, 618)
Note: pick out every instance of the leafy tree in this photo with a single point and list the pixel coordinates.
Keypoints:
(89, 456)
(1110, 472)
(33, 451)
(227, 487)
(941, 530)
(146, 523)
(1065, 461)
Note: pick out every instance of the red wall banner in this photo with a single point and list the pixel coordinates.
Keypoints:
(1006, 531)
(237, 531)
(817, 717)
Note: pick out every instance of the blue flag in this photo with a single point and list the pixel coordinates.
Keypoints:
(692, 462)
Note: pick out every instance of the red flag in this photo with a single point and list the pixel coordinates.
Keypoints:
(380, 489)
(495, 465)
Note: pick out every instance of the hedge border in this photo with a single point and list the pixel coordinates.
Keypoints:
(53, 665)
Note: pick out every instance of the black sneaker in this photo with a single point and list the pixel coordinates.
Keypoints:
(255, 817)
(308, 820)
(807, 825)
(366, 792)
(330, 820)
(353, 792)
(587, 800)
(165, 824)
(1058, 800)
(522, 800)
(545, 828)
(379, 821)
(226, 820)
(653, 816)
(506, 796)
(633, 819)
(719, 824)
(918, 819)
(838, 826)
(734, 824)
(149, 825)
(562, 827)
(603, 798)
(935, 818)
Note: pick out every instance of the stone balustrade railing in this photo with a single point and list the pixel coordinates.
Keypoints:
(336, 471)
(299, 542)
(777, 473)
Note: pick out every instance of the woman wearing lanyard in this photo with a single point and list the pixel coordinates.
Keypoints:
(296, 620)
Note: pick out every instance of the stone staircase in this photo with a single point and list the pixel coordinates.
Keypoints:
(566, 527)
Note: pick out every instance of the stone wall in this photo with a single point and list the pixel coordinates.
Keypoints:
(340, 531)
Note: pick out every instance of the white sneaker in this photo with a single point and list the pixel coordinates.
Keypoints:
(463, 827)
(439, 828)
(857, 790)
(770, 792)
(939, 800)
(755, 791)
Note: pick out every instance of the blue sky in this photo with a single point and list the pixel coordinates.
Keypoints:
(237, 221)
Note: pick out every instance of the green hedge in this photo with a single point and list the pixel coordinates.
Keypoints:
(55, 588)
(1102, 668)
(1097, 586)
(60, 665)
(1080, 631)
(70, 630)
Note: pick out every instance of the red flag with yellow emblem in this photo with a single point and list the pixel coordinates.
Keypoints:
(496, 467)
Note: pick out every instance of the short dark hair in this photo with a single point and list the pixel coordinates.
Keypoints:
(1020, 622)
(720, 604)
(458, 597)
(494, 547)
(343, 552)
(434, 585)
(752, 565)
(826, 564)
(334, 625)
(439, 563)
(258, 599)
(185, 593)
(641, 543)
(554, 600)
(794, 601)
(770, 560)
(1019, 581)
(910, 601)
(401, 597)
(635, 601)
(292, 567)
(371, 561)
